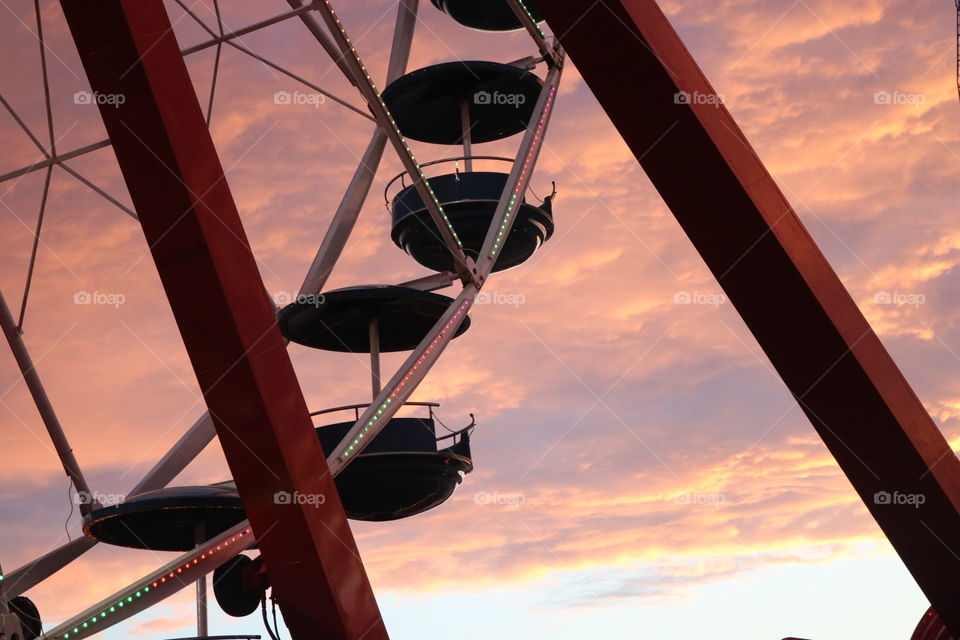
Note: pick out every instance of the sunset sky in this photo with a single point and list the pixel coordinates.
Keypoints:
(657, 479)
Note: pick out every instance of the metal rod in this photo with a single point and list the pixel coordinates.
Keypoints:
(213, 82)
(433, 282)
(466, 124)
(23, 125)
(34, 248)
(47, 414)
(127, 210)
(346, 216)
(364, 405)
(46, 77)
(375, 355)
(300, 79)
(36, 571)
(188, 447)
(46, 162)
(402, 39)
(423, 165)
(199, 531)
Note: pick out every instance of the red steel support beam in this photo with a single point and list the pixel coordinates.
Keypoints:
(191, 223)
(779, 281)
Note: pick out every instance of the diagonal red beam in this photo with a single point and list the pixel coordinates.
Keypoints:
(227, 323)
(781, 284)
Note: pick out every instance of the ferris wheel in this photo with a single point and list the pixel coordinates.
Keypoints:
(462, 218)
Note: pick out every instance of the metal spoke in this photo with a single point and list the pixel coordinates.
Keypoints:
(196, 19)
(213, 82)
(52, 160)
(23, 125)
(301, 80)
(46, 78)
(216, 62)
(33, 251)
(100, 191)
